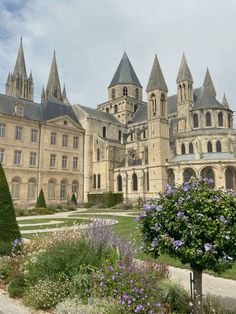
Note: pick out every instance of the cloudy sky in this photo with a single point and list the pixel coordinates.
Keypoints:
(90, 36)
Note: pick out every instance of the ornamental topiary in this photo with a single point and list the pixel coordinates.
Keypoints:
(9, 230)
(41, 200)
(194, 222)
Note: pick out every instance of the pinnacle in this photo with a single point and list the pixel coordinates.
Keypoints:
(53, 86)
(208, 84)
(184, 73)
(20, 68)
(156, 79)
(225, 102)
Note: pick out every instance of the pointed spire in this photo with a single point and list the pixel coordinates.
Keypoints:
(54, 86)
(184, 72)
(30, 77)
(208, 84)
(225, 102)
(125, 73)
(64, 91)
(20, 68)
(156, 79)
(43, 95)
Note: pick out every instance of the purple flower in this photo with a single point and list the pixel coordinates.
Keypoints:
(142, 215)
(207, 246)
(222, 218)
(186, 186)
(158, 208)
(180, 214)
(180, 200)
(178, 243)
(168, 189)
(146, 207)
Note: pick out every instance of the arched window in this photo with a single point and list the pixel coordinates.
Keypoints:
(119, 183)
(229, 120)
(119, 135)
(184, 92)
(125, 91)
(94, 181)
(31, 188)
(195, 120)
(104, 131)
(230, 178)
(209, 147)
(63, 190)
(99, 181)
(98, 154)
(75, 186)
(163, 107)
(144, 133)
(137, 93)
(183, 150)
(180, 93)
(170, 177)
(115, 109)
(107, 110)
(220, 119)
(15, 188)
(208, 173)
(51, 189)
(113, 94)
(135, 107)
(154, 104)
(208, 119)
(218, 146)
(190, 148)
(188, 174)
(147, 179)
(135, 182)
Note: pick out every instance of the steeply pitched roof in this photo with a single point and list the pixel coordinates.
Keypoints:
(156, 79)
(184, 72)
(203, 99)
(100, 115)
(54, 87)
(20, 67)
(125, 73)
(208, 84)
(141, 114)
(225, 102)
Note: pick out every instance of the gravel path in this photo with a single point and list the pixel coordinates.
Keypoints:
(10, 306)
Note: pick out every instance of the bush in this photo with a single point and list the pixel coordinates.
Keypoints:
(94, 306)
(41, 200)
(213, 305)
(16, 286)
(107, 199)
(46, 294)
(5, 248)
(134, 287)
(73, 199)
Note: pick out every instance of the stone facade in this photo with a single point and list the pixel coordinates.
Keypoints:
(126, 145)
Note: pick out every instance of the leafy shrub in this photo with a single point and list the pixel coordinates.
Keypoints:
(16, 286)
(5, 247)
(135, 288)
(47, 293)
(94, 306)
(43, 211)
(41, 200)
(89, 204)
(107, 199)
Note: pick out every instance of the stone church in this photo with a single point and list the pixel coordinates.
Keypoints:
(126, 145)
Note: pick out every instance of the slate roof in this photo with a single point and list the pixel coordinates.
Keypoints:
(100, 115)
(184, 72)
(208, 83)
(125, 73)
(207, 156)
(50, 109)
(141, 114)
(156, 79)
(203, 99)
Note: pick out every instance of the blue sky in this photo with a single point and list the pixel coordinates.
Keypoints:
(89, 38)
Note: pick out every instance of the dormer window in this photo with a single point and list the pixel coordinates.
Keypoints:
(125, 91)
(19, 110)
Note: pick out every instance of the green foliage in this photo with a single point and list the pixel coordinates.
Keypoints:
(5, 248)
(107, 199)
(193, 222)
(73, 199)
(41, 200)
(46, 294)
(9, 230)
(16, 286)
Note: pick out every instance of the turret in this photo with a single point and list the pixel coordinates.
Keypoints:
(53, 89)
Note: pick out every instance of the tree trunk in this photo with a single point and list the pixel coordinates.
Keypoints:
(197, 280)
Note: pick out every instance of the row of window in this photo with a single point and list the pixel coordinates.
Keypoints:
(134, 182)
(218, 148)
(33, 159)
(208, 120)
(34, 136)
(162, 105)
(125, 93)
(32, 188)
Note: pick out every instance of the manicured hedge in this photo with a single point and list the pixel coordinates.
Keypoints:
(107, 199)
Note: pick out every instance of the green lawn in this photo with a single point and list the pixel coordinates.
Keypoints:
(66, 223)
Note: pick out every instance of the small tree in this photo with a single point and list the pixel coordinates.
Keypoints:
(73, 199)
(41, 200)
(9, 230)
(195, 223)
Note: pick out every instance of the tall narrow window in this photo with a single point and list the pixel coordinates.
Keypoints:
(163, 107)
(31, 188)
(53, 138)
(75, 142)
(195, 120)
(113, 94)
(115, 109)
(104, 132)
(75, 186)
(218, 146)
(33, 158)
(75, 163)
(229, 120)
(18, 135)
(15, 188)
(183, 150)
(64, 140)
(209, 147)
(63, 190)
(137, 93)
(220, 119)
(51, 189)
(190, 148)
(34, 135)
(52, 161)
(2, 129)
(64, 162)
(119, 183)
(17, 157)
(98, 154)
(135, 182)
(154, 104)
(2, 151)
(119, 136)
(208, 119)
(125, 91)
(147, 178)
(99, 181)
(94, 181)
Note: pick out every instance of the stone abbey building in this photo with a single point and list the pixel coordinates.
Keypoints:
(126, 145)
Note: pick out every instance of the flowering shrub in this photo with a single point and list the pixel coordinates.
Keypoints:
(133, 287)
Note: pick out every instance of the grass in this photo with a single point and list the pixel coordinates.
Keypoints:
(66, 223)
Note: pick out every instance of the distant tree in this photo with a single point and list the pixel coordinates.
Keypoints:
(41, 200)
(195, 223)
(9, 230)
(73, 199)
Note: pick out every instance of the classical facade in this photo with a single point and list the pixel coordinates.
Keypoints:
(126, 145)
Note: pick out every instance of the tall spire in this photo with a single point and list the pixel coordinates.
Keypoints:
(184, 72)
(225, 102)
(43, 96)
(20, 68)
(208, 84)
(156, 79)
(54, 86)
(125, 73)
